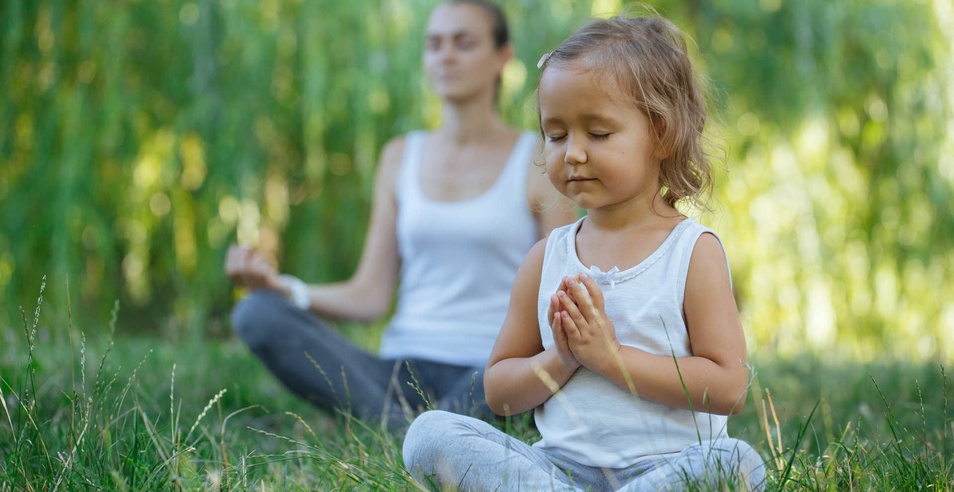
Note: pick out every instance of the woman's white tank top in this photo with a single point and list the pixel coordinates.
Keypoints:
(458, 261)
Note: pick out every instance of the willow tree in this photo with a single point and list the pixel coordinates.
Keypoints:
(139, 138)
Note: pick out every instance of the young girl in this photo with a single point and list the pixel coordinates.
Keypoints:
(622, 334)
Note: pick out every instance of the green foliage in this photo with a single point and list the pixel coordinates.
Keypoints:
(139, 138)
(839, 198)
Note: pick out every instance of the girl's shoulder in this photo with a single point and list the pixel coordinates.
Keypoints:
(562, 232)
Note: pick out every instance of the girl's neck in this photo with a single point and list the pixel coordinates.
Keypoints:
(639, 214)
(625, 236)
(469, 122)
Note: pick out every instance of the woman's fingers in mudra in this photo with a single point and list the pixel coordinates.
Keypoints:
(248, 268)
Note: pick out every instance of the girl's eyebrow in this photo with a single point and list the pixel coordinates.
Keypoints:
(589, 118)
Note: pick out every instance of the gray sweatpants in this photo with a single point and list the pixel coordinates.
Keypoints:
(445, 450)
(320, 365)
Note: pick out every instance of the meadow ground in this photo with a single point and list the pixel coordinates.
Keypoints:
(121, 412)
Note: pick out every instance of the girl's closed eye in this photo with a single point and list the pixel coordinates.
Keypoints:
(599, 135)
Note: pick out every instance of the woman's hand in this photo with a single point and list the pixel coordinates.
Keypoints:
(590, 334)
(248, 268)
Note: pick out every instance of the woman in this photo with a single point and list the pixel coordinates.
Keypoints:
(453, 214)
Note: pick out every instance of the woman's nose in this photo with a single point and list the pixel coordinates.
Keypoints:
(447, 52)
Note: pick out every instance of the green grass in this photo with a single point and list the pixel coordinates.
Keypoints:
(83, 409)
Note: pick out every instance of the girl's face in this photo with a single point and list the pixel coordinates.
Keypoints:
(460, 56)
(599, 147)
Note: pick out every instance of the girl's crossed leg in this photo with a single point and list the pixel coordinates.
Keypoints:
(452, 451)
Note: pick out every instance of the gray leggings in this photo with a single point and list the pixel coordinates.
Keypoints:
(320, 365)
(443, 450)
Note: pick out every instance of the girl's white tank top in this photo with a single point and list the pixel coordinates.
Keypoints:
(591, 420)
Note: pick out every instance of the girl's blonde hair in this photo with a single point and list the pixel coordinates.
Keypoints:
(648, 59)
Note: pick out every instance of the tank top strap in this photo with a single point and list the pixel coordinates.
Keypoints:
(408, 183)
(514, 173)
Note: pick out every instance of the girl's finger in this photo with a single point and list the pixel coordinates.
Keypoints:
(582, 298)
(572, 312)
(593, 290)
(554, 308)
(565, 286)
(570, 328)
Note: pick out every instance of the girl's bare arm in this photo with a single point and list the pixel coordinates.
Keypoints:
(520, 374)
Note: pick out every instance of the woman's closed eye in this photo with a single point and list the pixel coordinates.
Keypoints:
(465, 43)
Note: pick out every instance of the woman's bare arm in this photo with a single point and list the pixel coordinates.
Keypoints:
(368, 293)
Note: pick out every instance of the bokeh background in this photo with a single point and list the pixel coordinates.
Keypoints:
(139, 138)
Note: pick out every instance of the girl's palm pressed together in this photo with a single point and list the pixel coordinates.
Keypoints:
(590, 334)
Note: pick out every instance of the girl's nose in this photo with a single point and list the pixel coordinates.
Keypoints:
(575, 151)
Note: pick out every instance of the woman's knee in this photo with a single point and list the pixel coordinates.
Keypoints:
(255, 316)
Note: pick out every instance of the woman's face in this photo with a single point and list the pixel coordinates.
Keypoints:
(460, 56)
